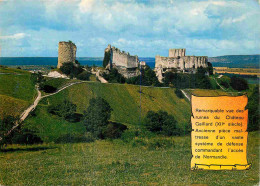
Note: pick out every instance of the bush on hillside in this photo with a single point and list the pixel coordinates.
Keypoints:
(238, 83)
(147, 78)
(224, 84)
(25, 136)
(178, 93)
(71, 70)
(106, 59)
(37, 78)
(6, 124)
(253, 110)
(84, 76)
(66, 110)
(96, 116)
(114, 76)
(210, 68)
(184, 80)
(162, 123)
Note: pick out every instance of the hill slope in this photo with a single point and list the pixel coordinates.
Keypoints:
(17, 91)
(236, 61)
(125, 100)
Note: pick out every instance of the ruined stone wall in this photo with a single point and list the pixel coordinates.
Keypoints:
(66, 53)
(181, 63)
(177, 52)
(123, 59)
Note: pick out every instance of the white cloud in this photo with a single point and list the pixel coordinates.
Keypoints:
(15, 36)
(86, 5)
(231, 20)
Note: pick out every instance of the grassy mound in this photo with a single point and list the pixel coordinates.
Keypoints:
(17, 91)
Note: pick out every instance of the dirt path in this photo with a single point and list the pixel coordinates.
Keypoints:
(219, 85)
(186, 95)
(101, 79)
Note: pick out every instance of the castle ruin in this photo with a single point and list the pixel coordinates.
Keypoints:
(66, 53)
(177, 60)
(126, 64)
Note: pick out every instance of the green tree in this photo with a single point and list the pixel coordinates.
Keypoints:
(106, 59)
(210, 68)
(161, 122)
(253, 110)
(238, 83)
(37, 78)
(96, 116)
(147, 78)
(6, 124)
(114, 76)
(84, 76)
(71, 70)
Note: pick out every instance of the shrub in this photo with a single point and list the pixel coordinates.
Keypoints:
(71, 70)
(178, 93)
(114, 76)
(6, 124)
(224, 84)
(147, 78)
(66, 109)
(253, 110)
(84, 76)
(106, 59)
(96, 116)
(238, 83)
(37, 78)
(184, 80)
(26, 136)
(161, 122)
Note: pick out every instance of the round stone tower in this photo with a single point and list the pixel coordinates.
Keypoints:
(67, 53)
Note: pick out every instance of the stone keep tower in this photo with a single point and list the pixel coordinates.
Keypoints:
(177, 52)
(67, 53)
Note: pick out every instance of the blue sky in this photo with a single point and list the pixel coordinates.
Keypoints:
(33, 28)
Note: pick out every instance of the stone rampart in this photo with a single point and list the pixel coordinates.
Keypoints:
(66, 53)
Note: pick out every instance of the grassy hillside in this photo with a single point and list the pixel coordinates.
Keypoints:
(125, 100)
(16, 83)
(17, 91)
(236, 61)
(117, 163)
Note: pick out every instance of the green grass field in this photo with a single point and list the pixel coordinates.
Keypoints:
(127, 161)
(116, 163)
(17, 91)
